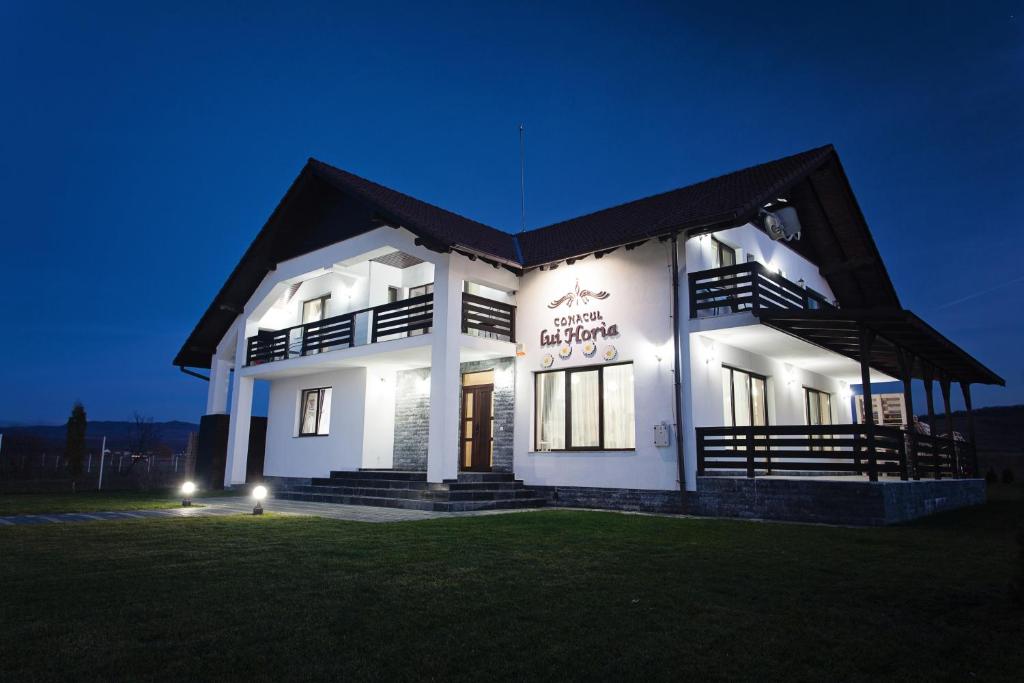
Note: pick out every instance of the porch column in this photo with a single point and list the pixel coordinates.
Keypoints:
(909, 464)
(867, 338)
(965, 389)
(217, 393)
(929, 375)
(443, 439)
(238, 430)
(953, 455)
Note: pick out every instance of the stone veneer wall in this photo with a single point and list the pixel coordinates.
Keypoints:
(811, 499)
(629, 500)
(412, 414)
(412, 420)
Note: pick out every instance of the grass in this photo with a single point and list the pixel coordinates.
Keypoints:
(95, 501)
(541, 595)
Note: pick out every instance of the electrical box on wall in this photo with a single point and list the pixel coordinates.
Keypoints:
(661, 435)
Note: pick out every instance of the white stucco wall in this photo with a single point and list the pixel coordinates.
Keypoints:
(288, 455)
(748, 239)
(639, 300)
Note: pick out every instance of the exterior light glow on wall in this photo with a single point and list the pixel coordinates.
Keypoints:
(844, 391)
(187, 489)
(709, 350)
(423, 385)
(790, 374)
(258, 494)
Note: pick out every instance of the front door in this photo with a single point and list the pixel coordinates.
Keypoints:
(477, 428)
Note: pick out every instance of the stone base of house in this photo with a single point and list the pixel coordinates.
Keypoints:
(832, 501)
(631, 500)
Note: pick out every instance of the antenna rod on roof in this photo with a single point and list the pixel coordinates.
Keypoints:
(522, 178)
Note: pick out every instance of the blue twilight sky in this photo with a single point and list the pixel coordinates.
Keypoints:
(141, 149)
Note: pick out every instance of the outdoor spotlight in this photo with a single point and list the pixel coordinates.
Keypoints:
(187, 489)
(259, 493)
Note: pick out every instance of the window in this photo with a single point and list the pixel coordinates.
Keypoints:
(722, 254)
(315, 412)
(392, 294)
(585, 409)
(421, 290)
(744, 398)
(817, 407)
(314, 310)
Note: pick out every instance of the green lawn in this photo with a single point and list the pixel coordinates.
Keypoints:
(549, 595)
(94, 501)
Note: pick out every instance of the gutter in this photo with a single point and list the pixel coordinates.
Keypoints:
(192, 373)
(677, 393)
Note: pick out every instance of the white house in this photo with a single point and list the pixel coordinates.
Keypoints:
(694, 350)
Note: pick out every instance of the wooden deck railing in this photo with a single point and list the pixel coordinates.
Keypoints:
(748, 287)
(488, 318)
(830, 449)
(407, 317)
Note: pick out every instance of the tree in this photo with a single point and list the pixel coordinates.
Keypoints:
(74, 449)
(144, 436)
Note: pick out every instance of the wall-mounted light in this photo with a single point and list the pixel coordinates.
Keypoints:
(844, 391)
(803, 285)
(709, 350)
(790, 374)
(423, 385)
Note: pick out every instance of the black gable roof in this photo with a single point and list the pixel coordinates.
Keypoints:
(444, 228)
(722, 200)
(326, 205)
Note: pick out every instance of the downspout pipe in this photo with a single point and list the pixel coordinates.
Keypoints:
(193, 374)
(677, 393)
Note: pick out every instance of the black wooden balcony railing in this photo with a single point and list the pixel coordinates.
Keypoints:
(748, 287)
(488, 318)
(831, 449)
(395, 320)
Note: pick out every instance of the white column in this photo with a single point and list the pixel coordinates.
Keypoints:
(689, 431)
(238, 430)
(445, 379)
(217, 394)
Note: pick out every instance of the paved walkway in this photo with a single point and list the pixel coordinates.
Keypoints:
(216, 507)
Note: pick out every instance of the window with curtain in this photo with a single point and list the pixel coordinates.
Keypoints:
(818, 407)
(588, 408)
(744, 398)
(315, 412)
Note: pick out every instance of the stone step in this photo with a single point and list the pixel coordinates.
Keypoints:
(470, 477)
(371, 483)
(412, 504)
(415, 494)
(405, 475)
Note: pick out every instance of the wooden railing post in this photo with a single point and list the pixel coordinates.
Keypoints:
(755, 287)
(867, 338)
(700, 452)
(750, 453)
(972, 437)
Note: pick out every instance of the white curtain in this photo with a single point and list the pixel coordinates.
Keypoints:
(551, 410)
(585, 409)
(309, 408)
(325, 412)
(619, 416)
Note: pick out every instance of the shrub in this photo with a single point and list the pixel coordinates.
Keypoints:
(1007, 476)
(1017, 586)
(991, 477)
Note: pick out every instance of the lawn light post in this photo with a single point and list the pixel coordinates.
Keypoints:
(259, 493)
(187, 489)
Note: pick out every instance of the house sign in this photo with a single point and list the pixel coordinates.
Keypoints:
(573, 328)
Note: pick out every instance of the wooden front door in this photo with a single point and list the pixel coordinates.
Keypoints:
(477, 428)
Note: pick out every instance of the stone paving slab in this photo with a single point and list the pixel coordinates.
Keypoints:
(215, 507)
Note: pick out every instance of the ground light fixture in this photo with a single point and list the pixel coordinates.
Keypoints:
(187, 489)
(258, 494)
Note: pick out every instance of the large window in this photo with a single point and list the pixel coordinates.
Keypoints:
(315, 412)
(588, 409)
(744, 398)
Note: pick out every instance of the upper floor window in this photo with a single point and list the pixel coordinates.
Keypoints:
(744, 398)
(587, 408)
(315, 310)
(315, 412)
(722, 254)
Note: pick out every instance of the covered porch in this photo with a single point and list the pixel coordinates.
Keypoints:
(896, 344)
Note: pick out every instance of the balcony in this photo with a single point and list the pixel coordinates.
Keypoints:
(481, 317)
(749, 287)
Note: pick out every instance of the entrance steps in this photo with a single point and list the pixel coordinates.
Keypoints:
(410, 490)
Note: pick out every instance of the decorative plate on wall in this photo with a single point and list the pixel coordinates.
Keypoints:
(547, 361)
(589, 349)
(565, 351)
(610, 352)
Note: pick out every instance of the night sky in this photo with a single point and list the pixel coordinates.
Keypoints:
(143, 148)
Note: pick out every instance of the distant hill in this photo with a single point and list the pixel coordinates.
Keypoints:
(999, 428)
(173, 434)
